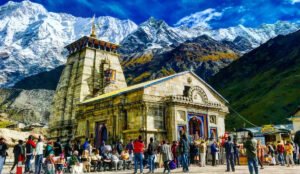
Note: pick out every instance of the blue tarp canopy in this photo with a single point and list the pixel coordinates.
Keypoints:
(257, 131)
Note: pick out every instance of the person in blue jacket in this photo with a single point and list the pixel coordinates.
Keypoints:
(214, 150)
(229, 154)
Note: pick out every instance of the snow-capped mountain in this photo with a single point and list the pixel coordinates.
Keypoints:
(155, 36)
(32, 39)
(151, 36)
(198, 24)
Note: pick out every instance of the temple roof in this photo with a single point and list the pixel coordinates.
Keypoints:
(87, 41)
(148, 84)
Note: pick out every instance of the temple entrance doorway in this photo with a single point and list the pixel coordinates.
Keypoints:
(213, 133)
(101, 133)
(197, 126)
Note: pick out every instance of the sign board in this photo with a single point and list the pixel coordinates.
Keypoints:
(268, 128)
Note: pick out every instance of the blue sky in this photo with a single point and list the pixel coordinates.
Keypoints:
(233, 12)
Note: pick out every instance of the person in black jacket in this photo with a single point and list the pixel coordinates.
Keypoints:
(57, 147)
(19, 153)
(151, 155)
(77, 147)
(68, 149)
(229, 154)
(236, 152)
(184, 150)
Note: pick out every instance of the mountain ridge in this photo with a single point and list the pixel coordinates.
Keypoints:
(204, 54)
(263, 85)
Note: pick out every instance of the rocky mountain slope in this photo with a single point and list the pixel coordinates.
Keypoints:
(203, 54)
(27, 106)
(44, 80)
(32, 39)
(263, 85)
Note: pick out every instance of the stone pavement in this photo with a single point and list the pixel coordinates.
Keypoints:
(210, 170)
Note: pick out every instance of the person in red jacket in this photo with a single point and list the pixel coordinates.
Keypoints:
(280, 150)
(30, 146)
(138, 150)
(174, 152)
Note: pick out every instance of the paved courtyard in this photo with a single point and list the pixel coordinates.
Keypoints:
(210, 170)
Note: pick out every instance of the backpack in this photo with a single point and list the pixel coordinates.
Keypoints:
(150, 149)
(17, 150)
(29, 148)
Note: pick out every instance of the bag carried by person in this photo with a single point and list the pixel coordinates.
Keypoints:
(273, 161)
(172, 165)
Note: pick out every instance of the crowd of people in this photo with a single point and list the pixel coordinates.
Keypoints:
(76, 157)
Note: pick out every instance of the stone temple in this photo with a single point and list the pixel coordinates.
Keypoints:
(92, 97)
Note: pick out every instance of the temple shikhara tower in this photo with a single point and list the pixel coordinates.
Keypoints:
(93, 101)
(92, 69)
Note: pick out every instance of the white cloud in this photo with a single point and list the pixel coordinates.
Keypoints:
(199, 19)
(295, 1)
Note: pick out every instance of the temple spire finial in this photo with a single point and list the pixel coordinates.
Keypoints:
(93, 32)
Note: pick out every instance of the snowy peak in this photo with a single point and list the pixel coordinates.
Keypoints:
(32, 39)
(22, 8)
(256, 36)
(154, 23)
(151, 35)
(198, 24)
